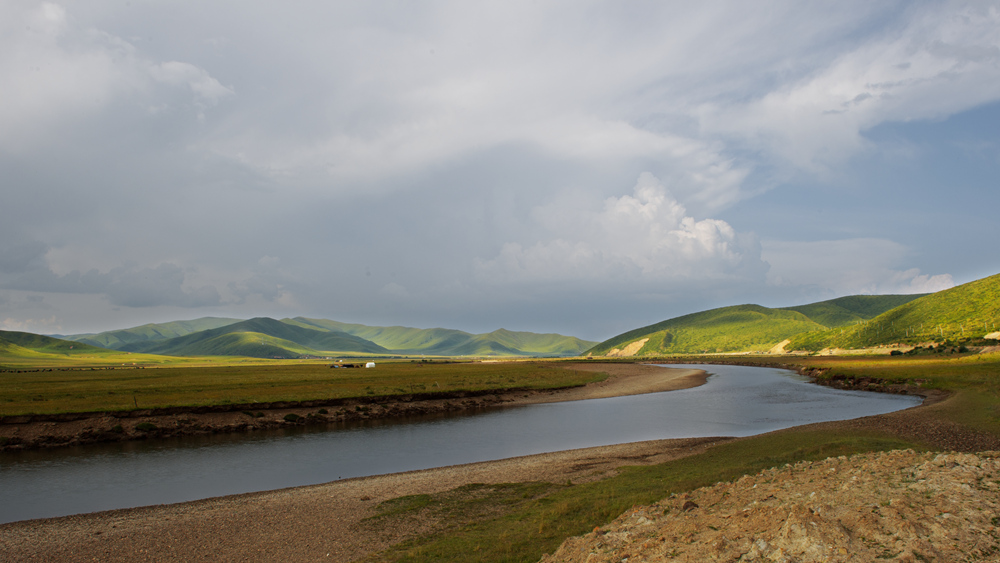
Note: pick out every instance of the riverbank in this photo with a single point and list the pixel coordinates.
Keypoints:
(44, 431)
(330, 522)
(307, 523)
(325, 522)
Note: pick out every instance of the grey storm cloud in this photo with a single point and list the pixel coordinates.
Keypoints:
(17, 256)
(23, 269)
(472, 165)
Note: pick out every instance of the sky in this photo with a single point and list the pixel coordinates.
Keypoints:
(577, 167)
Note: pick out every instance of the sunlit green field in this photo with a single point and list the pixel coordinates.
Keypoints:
(55, 390)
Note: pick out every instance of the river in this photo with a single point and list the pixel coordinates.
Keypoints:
(735, 401)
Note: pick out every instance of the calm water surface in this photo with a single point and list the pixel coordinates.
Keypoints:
(736, 401)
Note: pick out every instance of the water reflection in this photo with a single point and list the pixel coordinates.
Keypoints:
(736, 401)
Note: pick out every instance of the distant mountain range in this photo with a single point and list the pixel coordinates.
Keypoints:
(963, 313)
(966, 313)
(305, 337)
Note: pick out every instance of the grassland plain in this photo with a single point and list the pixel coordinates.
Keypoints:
(50, 391)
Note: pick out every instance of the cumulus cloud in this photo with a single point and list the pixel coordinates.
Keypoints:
(55, 73)
(845, 267)
(197, 79)
(643, 238)
(502, 138)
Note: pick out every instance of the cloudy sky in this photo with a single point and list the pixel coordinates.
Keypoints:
(576, 167)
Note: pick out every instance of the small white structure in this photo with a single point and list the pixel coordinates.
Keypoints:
(370, 365)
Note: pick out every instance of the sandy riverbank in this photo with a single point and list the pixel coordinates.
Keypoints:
(307, 523)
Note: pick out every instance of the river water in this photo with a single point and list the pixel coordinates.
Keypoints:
(736, 401)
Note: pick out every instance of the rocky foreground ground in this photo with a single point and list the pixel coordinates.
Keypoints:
(895, 506)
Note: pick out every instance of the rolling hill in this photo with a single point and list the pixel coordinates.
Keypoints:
(261, 338)
(746, 328)
(301, 336)
(963, 313)
(25, 349)
(39, 344)
(449, 342)
(737, 328)
(851, 309)
(117, 339)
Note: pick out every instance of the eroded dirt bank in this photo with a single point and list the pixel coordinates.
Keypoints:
(896, 506)
(40, 431)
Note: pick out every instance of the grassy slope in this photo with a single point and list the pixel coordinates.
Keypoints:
(845, 311)
(448, 342)
(747, 328)
(38, 343)
(279, 340)
(962, 313)
(26, 350)
(737, 328)
(116, 339)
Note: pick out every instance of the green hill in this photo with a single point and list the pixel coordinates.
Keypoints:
(117, 339)
(964, 313)
(25, 349)
(449, 342)
(38, 343)
(250, 344)
(848, 310)
(273, 339)
(748, 328)
(739, 328)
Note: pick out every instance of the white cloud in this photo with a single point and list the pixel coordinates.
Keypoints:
(49, 324)
(847, 267)
(54, 73)
(197, 79)
(632, 240)
(944, 58)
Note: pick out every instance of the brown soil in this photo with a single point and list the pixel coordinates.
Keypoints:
(43, 431)
(896, 506)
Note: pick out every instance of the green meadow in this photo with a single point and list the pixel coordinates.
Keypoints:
(97, 389)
